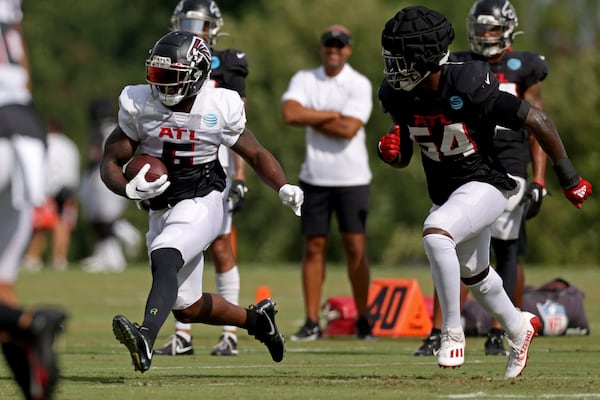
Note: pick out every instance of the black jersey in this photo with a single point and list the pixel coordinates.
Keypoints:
(516, 71)
(229, 69)
(455, 126)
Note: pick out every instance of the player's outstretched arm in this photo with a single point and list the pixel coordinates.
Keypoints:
(268, 169)
(575, 188)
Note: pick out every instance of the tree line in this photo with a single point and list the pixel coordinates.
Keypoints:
(83, 50)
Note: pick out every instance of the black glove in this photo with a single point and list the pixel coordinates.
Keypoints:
(237, 193)
(532, 199)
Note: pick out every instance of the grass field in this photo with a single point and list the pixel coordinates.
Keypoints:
(95, 366)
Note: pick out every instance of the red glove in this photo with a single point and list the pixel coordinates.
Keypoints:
(578, 193)
(389, 145)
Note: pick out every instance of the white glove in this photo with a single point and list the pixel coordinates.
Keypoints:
(140, 189)
(292, 196)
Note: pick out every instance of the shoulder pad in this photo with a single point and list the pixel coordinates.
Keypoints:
(474, 80)
(235, 60)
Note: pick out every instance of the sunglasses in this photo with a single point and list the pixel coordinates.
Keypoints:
(334, 43)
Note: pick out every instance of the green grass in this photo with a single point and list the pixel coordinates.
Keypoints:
(95, 366)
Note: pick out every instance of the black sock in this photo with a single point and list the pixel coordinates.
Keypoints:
(9, 320)
(251, 321)
(166, 263)
(310, 323)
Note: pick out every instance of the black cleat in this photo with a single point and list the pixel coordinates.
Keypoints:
(129, 334)
(494, 345)
(431, 345)
(227, 345)
(307, 333)
(267, 329)
(364, 330)
(35, 361)
(175, 345)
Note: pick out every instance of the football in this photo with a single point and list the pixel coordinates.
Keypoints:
(157, 167)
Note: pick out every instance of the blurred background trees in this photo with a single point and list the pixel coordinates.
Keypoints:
(81, 50)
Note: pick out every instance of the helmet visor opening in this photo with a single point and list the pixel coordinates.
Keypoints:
(194, 25)
(488, 30)
(162, 76)
(401, 73)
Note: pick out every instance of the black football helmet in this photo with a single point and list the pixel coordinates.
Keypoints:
(177, 67)
(202, 17)
(415, 44)
(491, 27)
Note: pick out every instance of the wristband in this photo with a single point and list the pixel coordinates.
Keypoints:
(567, 175)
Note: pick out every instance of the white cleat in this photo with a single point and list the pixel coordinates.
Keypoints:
(519, 345)
(452, 349)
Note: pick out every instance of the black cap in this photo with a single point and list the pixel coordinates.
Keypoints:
(331, 36)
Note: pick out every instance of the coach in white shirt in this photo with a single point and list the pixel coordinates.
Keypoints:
(333, 102)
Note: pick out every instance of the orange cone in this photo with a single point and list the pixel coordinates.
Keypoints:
(262, 292)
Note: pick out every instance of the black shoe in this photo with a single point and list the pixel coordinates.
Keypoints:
(364, 330)
(267, 331)
(176, 345)
(308, 332)
(129, 334)
(227, 345)
(33, 359)
(494, 345)
(431, 345)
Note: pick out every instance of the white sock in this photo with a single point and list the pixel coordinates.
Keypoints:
(445, 271)
(228, 286)
(183, 329)
(490, 295)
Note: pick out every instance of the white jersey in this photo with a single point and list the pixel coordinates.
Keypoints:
(14, 78)
(332, 161)
(188, 143)
(217, 117)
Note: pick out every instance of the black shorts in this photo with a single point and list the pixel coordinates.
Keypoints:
(350, 205)
(21, 119)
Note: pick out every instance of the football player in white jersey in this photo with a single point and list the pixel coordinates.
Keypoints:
(27, 335)
(229, 69)
(183, 121)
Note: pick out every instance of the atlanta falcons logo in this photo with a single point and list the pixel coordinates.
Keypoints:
(197, 51)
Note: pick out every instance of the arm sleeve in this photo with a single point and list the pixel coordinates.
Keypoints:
(509, 111)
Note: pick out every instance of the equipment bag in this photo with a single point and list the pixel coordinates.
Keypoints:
(558, 305)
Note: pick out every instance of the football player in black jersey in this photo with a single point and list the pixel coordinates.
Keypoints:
(451, 110)
(229, 70)
(491, 27)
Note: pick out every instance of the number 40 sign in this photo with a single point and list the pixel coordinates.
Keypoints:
(397, 308)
